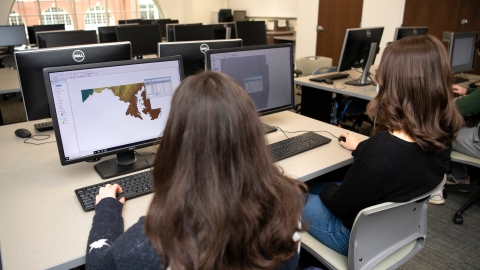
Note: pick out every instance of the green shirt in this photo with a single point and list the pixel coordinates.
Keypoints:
(469, 104)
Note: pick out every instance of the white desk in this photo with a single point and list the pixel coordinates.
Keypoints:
(9, 81)
(42, 224)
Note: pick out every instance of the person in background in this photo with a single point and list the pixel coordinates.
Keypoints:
(219, 200)
(408, 154)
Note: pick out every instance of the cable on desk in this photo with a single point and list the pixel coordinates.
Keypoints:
(33, 138)
(304, 131)
(143, 156)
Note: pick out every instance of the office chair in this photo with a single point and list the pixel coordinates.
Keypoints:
(468, 160)
(384, 236)
(310, 65)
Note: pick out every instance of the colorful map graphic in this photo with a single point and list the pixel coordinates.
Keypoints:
(133, 94)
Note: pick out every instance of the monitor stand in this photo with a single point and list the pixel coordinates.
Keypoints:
(457, 80)
(366, 70)
(268, 129)
(124, 163)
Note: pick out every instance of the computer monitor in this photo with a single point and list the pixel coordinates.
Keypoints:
(225, 15)
(162, 23)
(252, 32)
(401, 32)
(193, 52)
(192, 32)
(107, 34)
(224, 30)
(360, 46)
(32, 30)
(129, 21)
(239, 15)
(12, 36)
(265, 72)
(51, 39)
(462, 52)
(170, 32)
(111, 108)
(144, 38)
(31, 63)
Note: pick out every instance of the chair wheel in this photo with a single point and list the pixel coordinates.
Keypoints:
(457, 219)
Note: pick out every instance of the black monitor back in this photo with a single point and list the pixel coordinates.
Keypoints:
(192, 32)
(107, 34)
(129, 21)
(252, 32)
(12, 35)
(144, 38)
(193, 52)
(401, 32)
(31, 63)
(51, 39)
(162, 24)
(169, 26)
(32, 30)
(356, 47)
(220, 30)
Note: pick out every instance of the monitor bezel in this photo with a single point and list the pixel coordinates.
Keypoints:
(16, 26)
(452, 48)
(260, 47)
(396, 37)
(47, 71)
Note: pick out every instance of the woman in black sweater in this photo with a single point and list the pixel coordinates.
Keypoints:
(416, 119)
(219, 200)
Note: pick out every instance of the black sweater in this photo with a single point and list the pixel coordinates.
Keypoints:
(385, 169)
(109, 248)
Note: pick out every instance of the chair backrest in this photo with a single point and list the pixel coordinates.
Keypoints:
(389, 234)
(310, 63)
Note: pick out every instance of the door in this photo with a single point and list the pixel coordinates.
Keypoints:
(335, 16)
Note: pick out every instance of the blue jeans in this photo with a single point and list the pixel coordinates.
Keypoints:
(323, 224)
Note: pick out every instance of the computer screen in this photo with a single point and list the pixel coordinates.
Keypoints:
(12, 35)
(51, 39)
(357, 51)
(111, 108)
(31, 63)
(193, 52)
(192, 32)
(32, 30)
(401, 32)
(462, 51)
(239, 15)
(221, 30)
(252, 32)
(162, 23)
(107, 34)
(144, 38)
(265, 72)
(171, 25)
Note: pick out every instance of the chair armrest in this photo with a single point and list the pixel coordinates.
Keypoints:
(297, 72)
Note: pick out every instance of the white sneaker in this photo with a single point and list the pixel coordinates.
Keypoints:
(437, 197)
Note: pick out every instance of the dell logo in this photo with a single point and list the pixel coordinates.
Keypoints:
(78, 56)
(369, 33)
(204, 48)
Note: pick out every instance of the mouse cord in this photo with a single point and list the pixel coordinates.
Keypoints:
(143, 156)
(303, 131)
(33, 138)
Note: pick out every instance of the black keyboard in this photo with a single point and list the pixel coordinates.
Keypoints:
(332, 76)
(459, 80)
(296, 145)
(133, 186)
(44, 126)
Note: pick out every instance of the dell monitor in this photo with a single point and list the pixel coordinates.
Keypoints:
(162, 23)
(192, 32)
(51, 39)
(252, 32)
(31, 63)
(462, 53)
(193, 52)
(111, 108)
(401, 32)
(265, 72)
(107, 34)
(170, 29)
(224, 30)
(144, 38)
(129, 21)
(32, 31)
(360, 46)
(12, 36)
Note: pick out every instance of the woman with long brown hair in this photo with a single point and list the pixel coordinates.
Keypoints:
(416, 120)
(219, 200)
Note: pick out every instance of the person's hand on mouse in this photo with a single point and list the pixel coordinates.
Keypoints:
(351, 141)
(457, 89)
(109, 191)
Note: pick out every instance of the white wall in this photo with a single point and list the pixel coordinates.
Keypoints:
(266, 8)
(5, 7)
(383, 13)
(307, 20)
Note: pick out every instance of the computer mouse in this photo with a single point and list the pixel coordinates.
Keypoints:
(23, 133)
(328, 81)
(342, 139)
(473, 85)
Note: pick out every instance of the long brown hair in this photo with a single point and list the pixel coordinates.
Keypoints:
(415, 93)
(219, 201)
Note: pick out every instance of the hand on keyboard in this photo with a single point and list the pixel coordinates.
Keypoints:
(109, 191)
